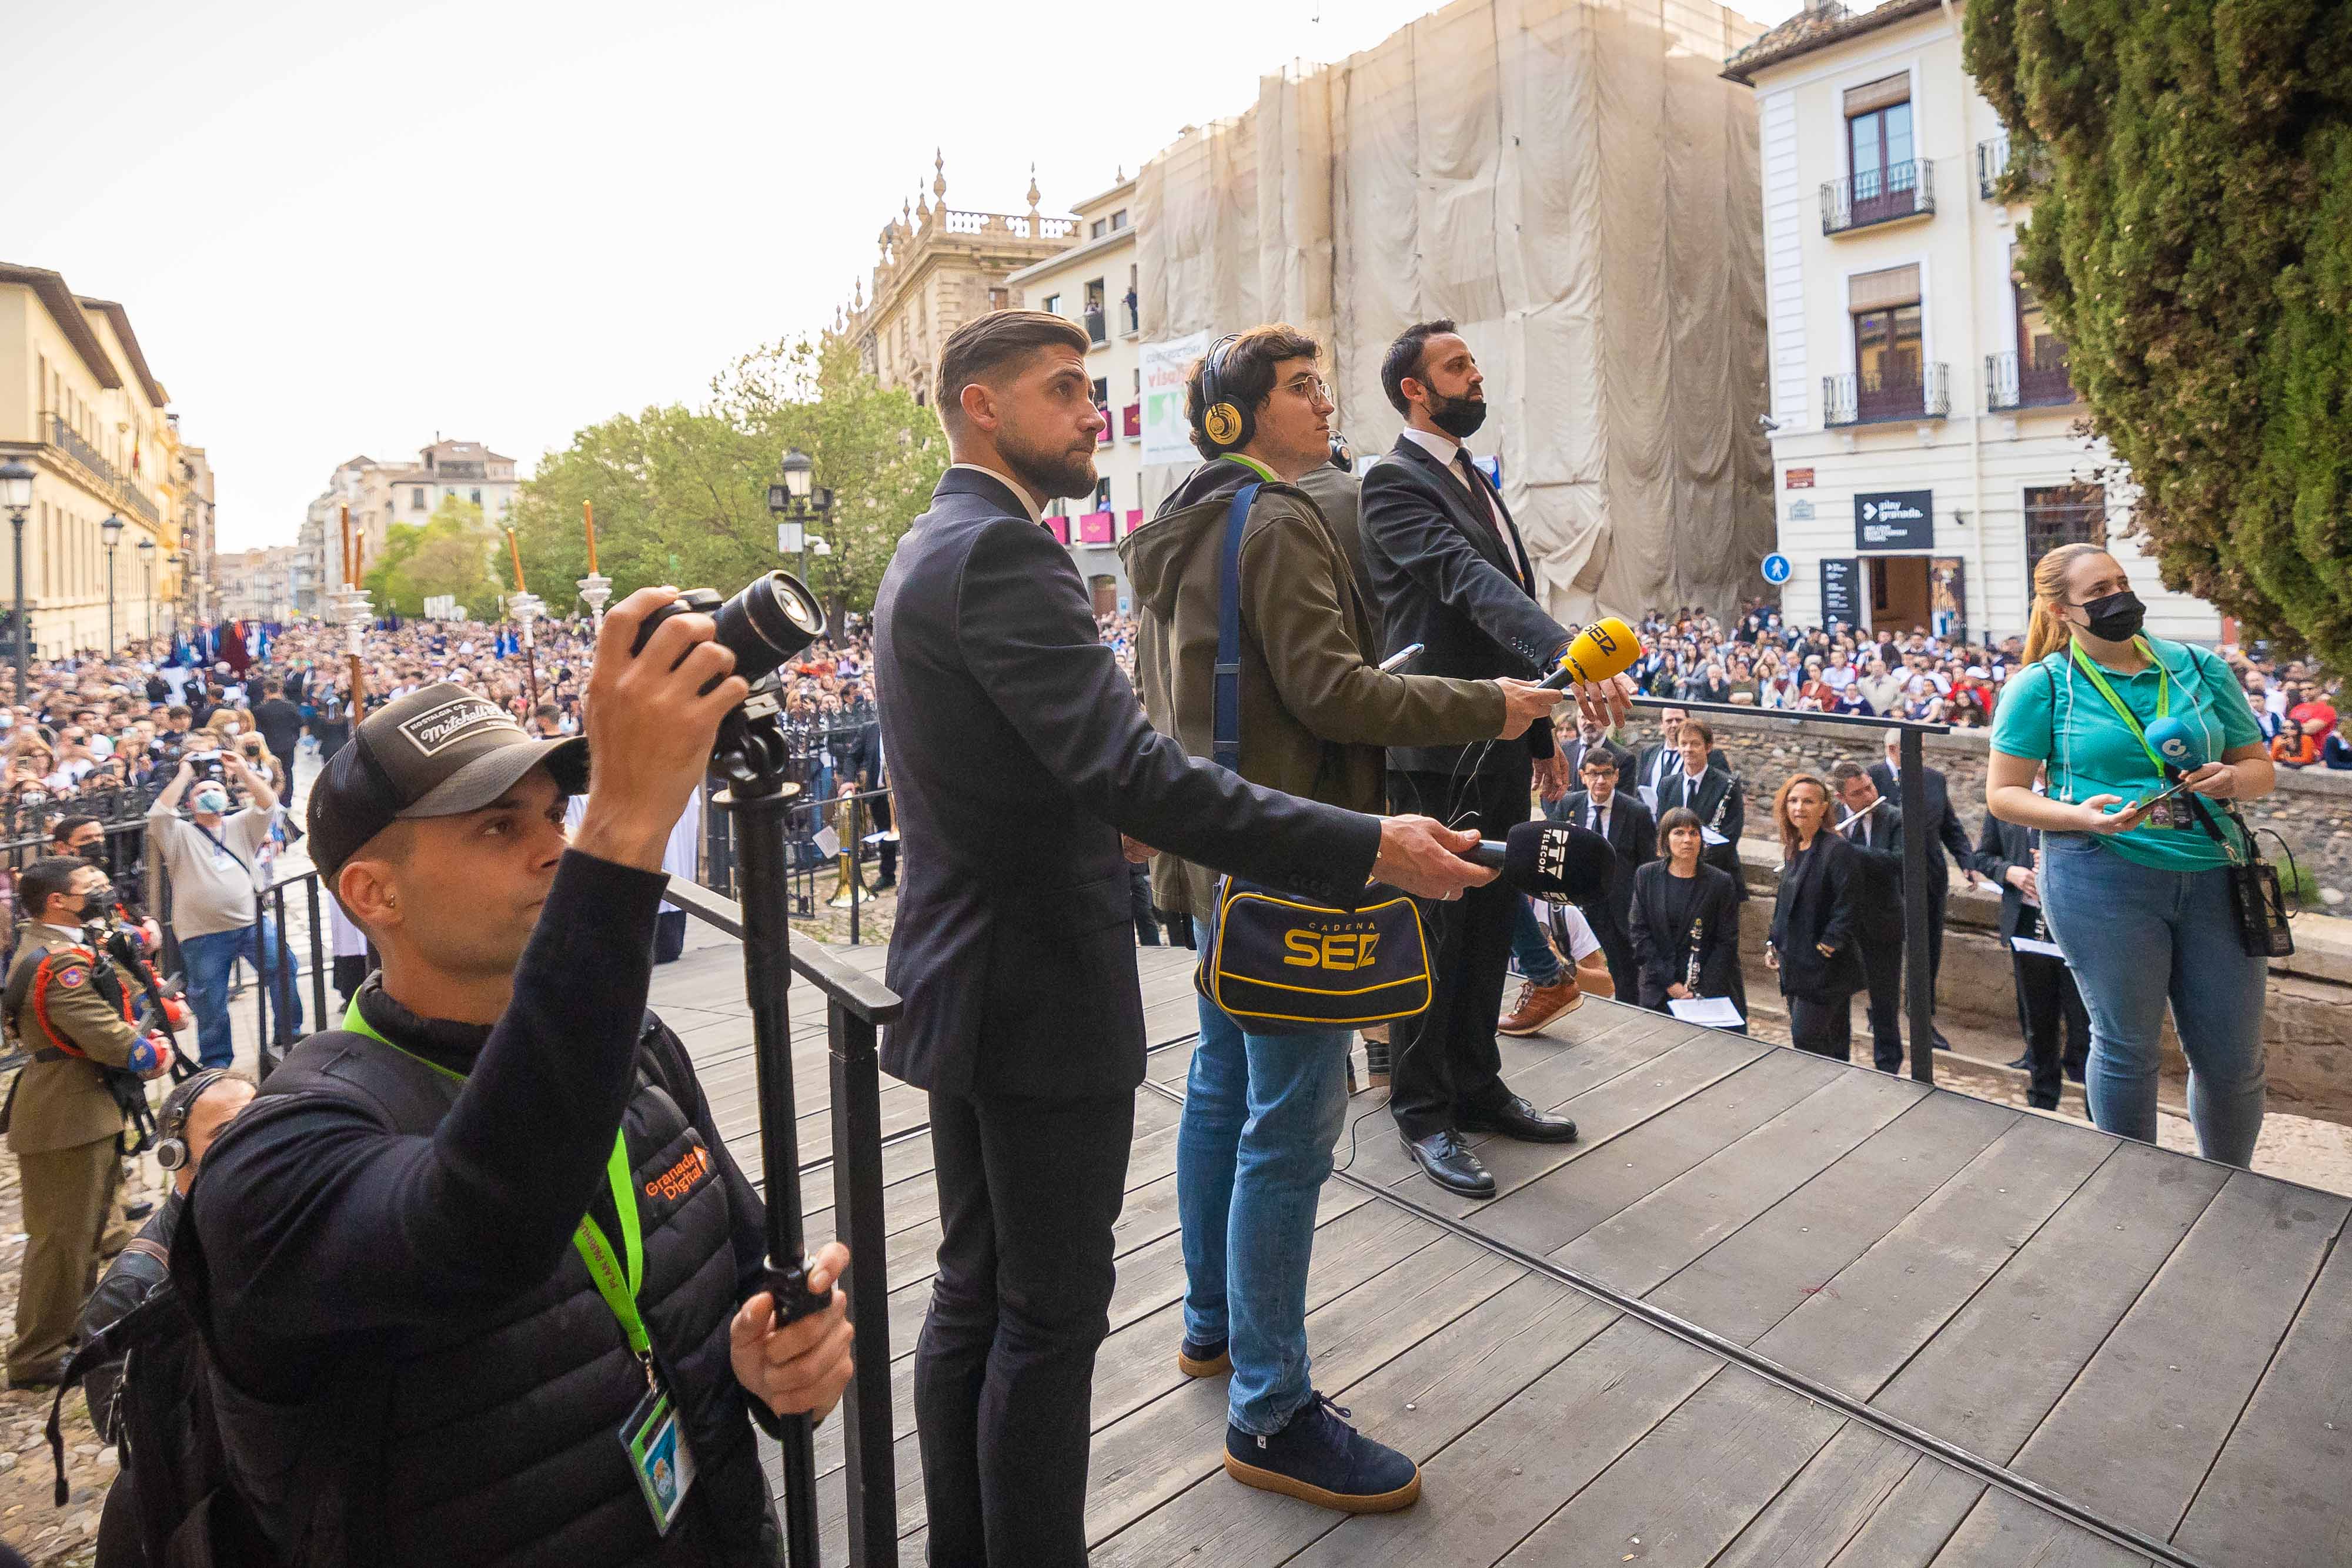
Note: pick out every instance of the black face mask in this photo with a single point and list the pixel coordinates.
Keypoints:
(2115, 618)
(1459, 417)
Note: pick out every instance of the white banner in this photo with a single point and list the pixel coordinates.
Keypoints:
(1165, 438)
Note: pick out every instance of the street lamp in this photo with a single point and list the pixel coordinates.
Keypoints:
(17, 495)
(112, 530)
(800, 500)
(147, 583)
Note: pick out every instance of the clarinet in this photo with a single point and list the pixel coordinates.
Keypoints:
(1690, 978)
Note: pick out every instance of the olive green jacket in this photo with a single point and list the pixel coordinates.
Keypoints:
(1317, 713)
(63, 1104)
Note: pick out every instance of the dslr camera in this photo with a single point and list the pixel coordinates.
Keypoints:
(204, 765)
(772, 618)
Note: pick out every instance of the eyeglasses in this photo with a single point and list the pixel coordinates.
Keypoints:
(1309, 386)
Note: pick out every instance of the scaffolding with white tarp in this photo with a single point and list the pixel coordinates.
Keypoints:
(1572, 182)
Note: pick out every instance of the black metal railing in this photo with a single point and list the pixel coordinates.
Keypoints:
(1905, 190)
(1911, 801)
(1992, 162)
(2034, 379)
(1920, 391)
(856, 1007)
(65, 437)
(855, 819)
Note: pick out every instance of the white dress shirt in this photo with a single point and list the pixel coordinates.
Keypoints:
(1446, 450)
(1036, 513)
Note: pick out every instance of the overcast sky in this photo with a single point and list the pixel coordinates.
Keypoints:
(343, 227)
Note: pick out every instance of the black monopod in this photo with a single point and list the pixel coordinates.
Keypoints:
(769, 622)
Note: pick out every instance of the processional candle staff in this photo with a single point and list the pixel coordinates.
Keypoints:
(525, 608)
(595, 588)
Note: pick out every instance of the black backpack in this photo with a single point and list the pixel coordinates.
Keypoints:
(189, 1514)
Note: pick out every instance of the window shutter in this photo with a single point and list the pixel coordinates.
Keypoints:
(1883, 290)
(1878, 94)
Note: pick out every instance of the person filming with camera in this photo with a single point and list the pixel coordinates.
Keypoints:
(478, 1278)
(209, 860)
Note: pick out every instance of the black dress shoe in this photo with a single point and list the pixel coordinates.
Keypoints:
(1941, 1043)
(1447, 1160)
(1514, 1118)
(2023, 1064)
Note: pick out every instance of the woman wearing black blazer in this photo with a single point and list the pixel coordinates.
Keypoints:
(1685, 909)
(1812, 943)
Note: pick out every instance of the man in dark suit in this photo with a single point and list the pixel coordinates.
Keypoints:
(2049, 1004)
(866, 767)
(1452, 576)
(1020, 762)
(1592, 737)
(1655, 763)
(1873, 825)
(1945, 835)
(1712, 791)
(1619, 816)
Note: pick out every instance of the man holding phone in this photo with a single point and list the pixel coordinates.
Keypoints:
(212, 859)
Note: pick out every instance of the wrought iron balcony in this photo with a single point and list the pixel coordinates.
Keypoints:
(1992, 162)
(1097, 326)
(65, 438)
(2036, 380)
(2006, 166)
(1886, 195)
(1887, 398)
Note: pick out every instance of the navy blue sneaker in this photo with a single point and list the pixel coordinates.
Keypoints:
(1319, 1458)
(1195, 1359)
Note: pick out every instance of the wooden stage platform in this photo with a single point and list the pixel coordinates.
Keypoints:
(1836, 1319)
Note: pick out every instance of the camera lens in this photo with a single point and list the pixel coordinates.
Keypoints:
(773, 618)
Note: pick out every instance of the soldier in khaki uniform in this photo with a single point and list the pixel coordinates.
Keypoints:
(62, 1120)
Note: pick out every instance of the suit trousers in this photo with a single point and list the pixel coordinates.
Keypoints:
(2057, 1026)
(1822, 1025)
(69, 1196)
(1617, 948)
(1882, 968)
(1029, 1190)
(1446, 1063)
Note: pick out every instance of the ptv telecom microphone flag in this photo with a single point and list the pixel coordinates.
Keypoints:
(1606, 648)
(1555, 861)
(2178, 744)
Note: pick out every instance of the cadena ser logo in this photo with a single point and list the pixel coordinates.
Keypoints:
(681, 1179)
(1319, 949)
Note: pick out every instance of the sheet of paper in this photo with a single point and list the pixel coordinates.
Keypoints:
(1714, 1012)
(2028, 945)
(1710, 838)
(828, 842)
(886, 836)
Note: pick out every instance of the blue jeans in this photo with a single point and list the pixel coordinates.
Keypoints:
(1261, 1113)
(1531, 949)
(2136, 938)
(209, 960)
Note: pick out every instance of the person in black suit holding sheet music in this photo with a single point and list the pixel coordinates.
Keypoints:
(1026, 781)
(1684, 923)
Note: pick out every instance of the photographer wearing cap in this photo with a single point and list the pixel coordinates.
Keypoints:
(472, 1267)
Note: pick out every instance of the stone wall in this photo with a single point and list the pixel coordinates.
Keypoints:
(2311, 809)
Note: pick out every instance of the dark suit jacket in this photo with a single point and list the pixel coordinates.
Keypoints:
(1573, 745)
(2001, 846)
(862, 760)
(1663, 951)
(1633, 838)
(1721, 804)
(1877, 841)
(1019, 754)
(1447, 581)
(1943, 828)
(1817, 903)
(1647, 763)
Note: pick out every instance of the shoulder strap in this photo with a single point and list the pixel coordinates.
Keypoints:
(410, 1093)
(1225, 725)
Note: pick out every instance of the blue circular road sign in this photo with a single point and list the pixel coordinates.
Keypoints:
(1777, 568)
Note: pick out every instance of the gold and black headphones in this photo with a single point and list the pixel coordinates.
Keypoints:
(1223, 421)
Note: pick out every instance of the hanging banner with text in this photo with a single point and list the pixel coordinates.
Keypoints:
(1165, 438)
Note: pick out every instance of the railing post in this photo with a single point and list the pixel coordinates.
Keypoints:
(263, 1062)
(318, 958)
(1918, 981)
(869, 1459)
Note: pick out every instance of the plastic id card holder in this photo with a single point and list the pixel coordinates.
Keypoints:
(658, 1457)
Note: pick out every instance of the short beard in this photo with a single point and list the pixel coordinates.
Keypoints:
(1048, 475)
(1459, 417)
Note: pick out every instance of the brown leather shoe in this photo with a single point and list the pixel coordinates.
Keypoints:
(1538, 1005)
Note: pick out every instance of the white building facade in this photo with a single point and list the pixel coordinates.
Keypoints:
(1094, 284)
(1926, 448)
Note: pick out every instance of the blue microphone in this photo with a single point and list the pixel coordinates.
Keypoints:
(2180, 746)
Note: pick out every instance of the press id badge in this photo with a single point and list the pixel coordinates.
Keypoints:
(658, 1457)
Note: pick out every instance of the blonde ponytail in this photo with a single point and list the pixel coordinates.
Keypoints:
(2047, 630)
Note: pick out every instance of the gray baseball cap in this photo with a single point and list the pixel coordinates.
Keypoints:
(439, 752)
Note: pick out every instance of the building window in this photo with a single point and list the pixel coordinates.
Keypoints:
(416, 499)
(2063, 514)
(1102, 391)
(998, 298)
(1052, 306)
(1098, 327)
(1119, 220)
(1102, 494)
(1097, 231)
(477, 497)
(1877, 128)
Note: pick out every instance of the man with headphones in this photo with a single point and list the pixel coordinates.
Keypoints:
(1315, 714)
(70, 1005)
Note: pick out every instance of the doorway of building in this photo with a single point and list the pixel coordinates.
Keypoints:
(1898, 592)
(1106, 595)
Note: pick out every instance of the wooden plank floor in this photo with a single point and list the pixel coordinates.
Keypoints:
(2163, 1343)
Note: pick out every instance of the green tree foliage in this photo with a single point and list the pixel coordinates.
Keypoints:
(2194, 244)
(681, 495)
(453, 551)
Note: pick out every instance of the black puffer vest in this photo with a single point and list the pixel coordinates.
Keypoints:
(491, 1439)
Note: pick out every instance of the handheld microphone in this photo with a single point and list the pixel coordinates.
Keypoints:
(1555, 861)
(2177, 744)
(1606, 648)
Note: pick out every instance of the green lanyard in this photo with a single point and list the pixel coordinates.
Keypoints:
(1254, 465)
(617, 1285)
(2131, 720)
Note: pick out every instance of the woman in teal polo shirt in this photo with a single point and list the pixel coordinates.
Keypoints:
(2138, 900)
